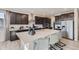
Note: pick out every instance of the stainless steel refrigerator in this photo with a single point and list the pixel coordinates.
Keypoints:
(2, 26)
(68, 30)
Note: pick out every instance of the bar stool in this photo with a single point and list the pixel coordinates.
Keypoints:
(54, 38)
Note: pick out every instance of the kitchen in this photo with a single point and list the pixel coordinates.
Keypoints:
(32, 30)
(30, 27)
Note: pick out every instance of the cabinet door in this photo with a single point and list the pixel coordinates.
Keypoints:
(39, 20)
(13, 36)
(18, 18)
(12, 18)
(24, 19)
(43, 43)
(47, 22)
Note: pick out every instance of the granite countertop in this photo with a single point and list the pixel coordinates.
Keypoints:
(26, 38)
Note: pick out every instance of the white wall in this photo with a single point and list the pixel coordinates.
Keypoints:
(52, 21)
(76, 24)
(7, 25)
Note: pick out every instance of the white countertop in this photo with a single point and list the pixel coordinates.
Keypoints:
(26, 38)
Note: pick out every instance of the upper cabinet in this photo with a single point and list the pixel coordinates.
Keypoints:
(65, 17)
(46, 22)
(18, 18)
(24, 19)
(12, 18)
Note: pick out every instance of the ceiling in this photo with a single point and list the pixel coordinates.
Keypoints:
(42, 11)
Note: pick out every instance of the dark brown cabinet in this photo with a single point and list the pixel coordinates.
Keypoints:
(24, 19)
(13, 36)
(17, 18)
(64, 17)
(46, 22)
(12, 18)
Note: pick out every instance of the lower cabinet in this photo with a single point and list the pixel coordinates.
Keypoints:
(41, 44)
(36, 45)
(13, 36)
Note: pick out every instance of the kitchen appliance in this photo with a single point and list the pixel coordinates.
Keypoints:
(68, 30)
(2, 26)
(57, 26)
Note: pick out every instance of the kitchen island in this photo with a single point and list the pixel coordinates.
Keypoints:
(28, 40)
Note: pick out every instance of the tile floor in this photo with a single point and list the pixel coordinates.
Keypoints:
(16, 45)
